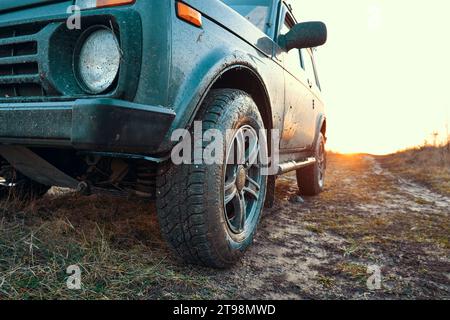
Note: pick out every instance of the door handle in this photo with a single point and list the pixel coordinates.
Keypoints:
(310, 83)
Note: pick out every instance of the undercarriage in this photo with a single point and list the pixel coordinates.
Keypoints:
(86, 172)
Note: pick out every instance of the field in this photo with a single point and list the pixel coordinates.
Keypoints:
(426, 165)
(388, 212)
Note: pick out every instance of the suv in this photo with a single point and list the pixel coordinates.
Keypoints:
(92, 94)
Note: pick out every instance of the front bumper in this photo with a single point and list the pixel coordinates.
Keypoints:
(102, 125)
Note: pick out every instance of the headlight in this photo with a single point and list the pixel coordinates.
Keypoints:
(98, 60)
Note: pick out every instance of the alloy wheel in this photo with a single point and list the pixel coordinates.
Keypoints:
(243, 179)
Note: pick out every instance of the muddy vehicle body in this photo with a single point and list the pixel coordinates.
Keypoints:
(94, 108)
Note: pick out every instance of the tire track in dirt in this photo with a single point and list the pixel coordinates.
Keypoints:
(412, 189)
(316, 249)
(303, 250)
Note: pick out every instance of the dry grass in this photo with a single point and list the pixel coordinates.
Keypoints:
(116, 244)
(355, 208)
(319, 249)
(360, 207)
(427, 165)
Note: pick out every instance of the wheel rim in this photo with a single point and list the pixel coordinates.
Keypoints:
(243, 180)
(321, 163)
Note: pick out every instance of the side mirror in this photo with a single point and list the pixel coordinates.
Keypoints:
(304, 35)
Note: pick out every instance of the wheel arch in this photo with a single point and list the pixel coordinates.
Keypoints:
(221, 68)
(321, 128)
(244, 78)
(248, 80)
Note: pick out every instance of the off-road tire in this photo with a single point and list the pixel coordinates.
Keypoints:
(190, 201)
(309, 180)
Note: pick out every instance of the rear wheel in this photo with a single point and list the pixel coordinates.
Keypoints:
(14, 185)
(209, 213)
(311, 179)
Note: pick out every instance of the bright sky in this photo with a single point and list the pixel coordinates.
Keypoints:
(385, 71)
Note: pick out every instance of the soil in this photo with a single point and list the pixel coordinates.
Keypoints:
(321, 247)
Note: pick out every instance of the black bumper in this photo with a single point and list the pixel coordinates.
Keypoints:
(104, 125)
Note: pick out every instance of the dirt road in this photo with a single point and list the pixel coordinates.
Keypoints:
(318, 248)
(367, 216)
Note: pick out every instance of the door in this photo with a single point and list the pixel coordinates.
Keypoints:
(308, 64)
(299, 116)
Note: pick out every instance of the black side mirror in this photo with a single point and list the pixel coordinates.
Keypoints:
(304, 35)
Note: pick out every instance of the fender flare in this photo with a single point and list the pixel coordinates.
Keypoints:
(233, 60)
(224, 61)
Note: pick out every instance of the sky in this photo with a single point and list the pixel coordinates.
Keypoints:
(385, 71)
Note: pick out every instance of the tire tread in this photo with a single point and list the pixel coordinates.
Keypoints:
(180, 197)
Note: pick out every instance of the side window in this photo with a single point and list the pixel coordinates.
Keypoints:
(309, 67)
(292, 61)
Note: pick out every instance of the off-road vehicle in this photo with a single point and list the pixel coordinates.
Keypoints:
(92, 91)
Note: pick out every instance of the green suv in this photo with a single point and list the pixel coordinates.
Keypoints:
(93, 92)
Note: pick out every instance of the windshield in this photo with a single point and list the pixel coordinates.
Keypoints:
(255, 11)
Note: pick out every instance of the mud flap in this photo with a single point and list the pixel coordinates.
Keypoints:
(270, 194)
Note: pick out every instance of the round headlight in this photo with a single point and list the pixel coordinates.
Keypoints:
(99, 60)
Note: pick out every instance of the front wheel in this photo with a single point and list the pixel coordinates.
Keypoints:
(209, 212)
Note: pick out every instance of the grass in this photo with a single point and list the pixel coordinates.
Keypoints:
(408, 244)
(117, 245)
(360, 225)
(426, 165)
(355, 271)
(395, 226)
(327, 282)
(118, 249)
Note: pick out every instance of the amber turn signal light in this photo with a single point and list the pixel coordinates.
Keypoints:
(113, 3)
(188, 14)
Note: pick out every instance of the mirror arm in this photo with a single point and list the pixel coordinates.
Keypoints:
(282, 42)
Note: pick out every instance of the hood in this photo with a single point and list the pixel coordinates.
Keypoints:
(11, 5)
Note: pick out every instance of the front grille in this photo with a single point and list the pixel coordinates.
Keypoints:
(37, 58)
(19, 68)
